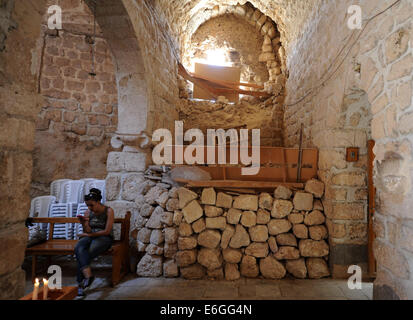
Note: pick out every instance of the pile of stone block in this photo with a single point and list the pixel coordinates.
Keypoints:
(204, 233)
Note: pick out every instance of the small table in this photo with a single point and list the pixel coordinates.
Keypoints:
(66, 293)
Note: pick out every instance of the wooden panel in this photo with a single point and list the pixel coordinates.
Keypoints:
(239, 184)
(277, 164)
(231, 74)
(371, 198)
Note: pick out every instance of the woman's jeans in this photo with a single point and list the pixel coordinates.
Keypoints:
(89, 248)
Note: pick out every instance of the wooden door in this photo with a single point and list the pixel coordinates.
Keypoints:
(371, 200)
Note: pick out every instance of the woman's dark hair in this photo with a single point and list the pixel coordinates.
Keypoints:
(94, 194)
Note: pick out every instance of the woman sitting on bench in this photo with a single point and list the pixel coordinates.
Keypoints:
(97, 238)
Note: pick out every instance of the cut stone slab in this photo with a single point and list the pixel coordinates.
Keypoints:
(271, 268)
(186, 257)
(209, 196)
(171, 235)
(157, 237)
(281, 209)
(211, 211)
(199, 225)
(192, 212)
(296, 218)
(185, 196)
(246, 202)
(234, 216)
(187, 243)
(248, 219)
(249, 267)
(193, 272)
(154, 250)
(315, 187)
(300, 231)
(287, 253)
(303, 201)
(257, 249)
(317, 268)
(154, 221)
(278, 226)
(144, 235)
(259, 233)
(231, 272)
(210, 258)
(273, 244)
(232, 255)
(150, 266)
(146, 210)
(209, 239)
(282, 193)
(318, 232)
(286, 239)
(227, 235)
(185, 229)
(263, 216)
(313, 249)
(170, 269)
(297, 268)
(216, 223)
(224, 200)
(265, 201)
(240, 239)
(314, 218)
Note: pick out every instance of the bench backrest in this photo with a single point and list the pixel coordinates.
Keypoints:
(125, 225)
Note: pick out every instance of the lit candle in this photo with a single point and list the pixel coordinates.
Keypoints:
(45, 288)
(36, 290)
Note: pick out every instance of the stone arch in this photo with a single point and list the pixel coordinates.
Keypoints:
(273, 52)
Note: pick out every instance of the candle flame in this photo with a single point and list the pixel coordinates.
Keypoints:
(45, 281)
(37, 281)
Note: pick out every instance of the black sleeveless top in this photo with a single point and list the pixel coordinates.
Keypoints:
(98, 222)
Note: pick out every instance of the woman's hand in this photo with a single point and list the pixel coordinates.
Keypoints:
(82, 235)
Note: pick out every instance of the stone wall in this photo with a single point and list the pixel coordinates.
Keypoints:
(219, 235)
(248, 114)
(375, 68)
(80, 112)
(19, 106)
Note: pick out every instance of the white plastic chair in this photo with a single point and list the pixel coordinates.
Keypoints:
(55, 187)
(97, 184)
(77, 228)
(71, 191)
(40, 206)
(61, 230)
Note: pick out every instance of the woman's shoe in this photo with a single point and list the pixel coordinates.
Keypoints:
(80, 292)
(88, 282)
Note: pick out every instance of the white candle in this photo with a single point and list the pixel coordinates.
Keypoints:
(45, 288)
(36, 290)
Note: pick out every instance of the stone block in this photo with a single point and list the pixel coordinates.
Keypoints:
(224, 200)
(249, 267)
(210, 258)
(216, 223)
(278, 226)
(248, 219)
(192, 211)
(271, 268)
(313, 249)
(257, 249)
(246, 202)
(209, 239)
(281, 209)
(303, 201)
(150, 266)
(209, 196)
(297, 268)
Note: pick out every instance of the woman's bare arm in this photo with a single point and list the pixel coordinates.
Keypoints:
(85, 223)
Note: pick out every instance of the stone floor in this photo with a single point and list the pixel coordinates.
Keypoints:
(134, 288)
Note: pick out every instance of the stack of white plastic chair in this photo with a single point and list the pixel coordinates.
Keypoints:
(56, 186)
(97, 184)
(61, 230)
(81, 209)
(72, 191)
(40, 208)
(71, 194)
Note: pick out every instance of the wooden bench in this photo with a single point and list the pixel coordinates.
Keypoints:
(55, 247)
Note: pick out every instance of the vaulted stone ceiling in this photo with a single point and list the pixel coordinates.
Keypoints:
(185, 16)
